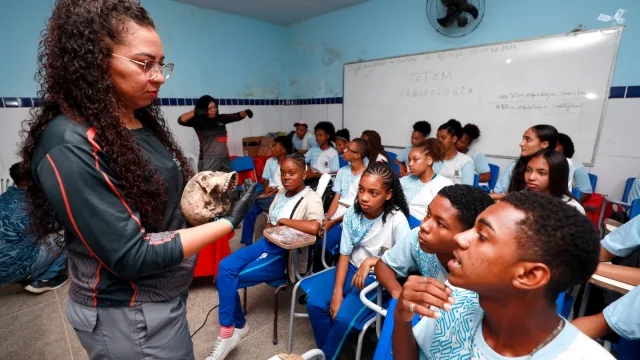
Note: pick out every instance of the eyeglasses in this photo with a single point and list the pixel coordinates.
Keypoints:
(152, 68)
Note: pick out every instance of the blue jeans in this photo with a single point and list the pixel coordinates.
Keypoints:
(330, 334)
(50, 261)
(249, 223)
(261, 262)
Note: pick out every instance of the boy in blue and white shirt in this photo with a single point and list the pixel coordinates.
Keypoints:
(302, 139)
(511, 265)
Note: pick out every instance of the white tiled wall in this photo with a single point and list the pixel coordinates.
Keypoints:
(617, 156)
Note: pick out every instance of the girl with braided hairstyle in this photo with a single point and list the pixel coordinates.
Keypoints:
(373, 225)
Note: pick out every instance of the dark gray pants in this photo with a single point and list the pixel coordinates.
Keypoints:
(147, 331)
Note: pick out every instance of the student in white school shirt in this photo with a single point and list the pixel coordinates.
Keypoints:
(513, 265)
(422, 184)
(302, 139)
(534, 139)
(322, 158)
(471, 134)
(456, 166)
(421, 132)
(580, 177)
(546, 173)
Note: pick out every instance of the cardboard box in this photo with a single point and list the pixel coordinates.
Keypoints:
(265, 145)
(251, 145)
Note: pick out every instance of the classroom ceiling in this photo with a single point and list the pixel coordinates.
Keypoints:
(282, 12)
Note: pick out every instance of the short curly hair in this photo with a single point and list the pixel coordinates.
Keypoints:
(567, 145)
(472, 131)
(468, 200)
(423, 127)
(557, 235)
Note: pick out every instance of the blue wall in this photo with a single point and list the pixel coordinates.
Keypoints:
(216, 53)
(380, 28)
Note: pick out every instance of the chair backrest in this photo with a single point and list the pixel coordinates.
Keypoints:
(635, 208)
(593, 178)
(476, 180)
(244, 163)
(395, 167)
(5, 182)
(495, 171)
(322, 184)
(392, 156)
(627, 189)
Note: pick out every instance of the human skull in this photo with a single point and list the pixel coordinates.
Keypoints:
(207, 196)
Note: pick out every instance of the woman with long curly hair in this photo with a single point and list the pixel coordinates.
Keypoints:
(210, 126)
(102, 161)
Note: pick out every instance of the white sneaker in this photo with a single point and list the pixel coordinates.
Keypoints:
(242, 332)
(222, 347)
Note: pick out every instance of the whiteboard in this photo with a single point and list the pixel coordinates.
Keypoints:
(561, 80)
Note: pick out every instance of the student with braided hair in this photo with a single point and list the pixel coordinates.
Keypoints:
(372, 226)
(422, 184)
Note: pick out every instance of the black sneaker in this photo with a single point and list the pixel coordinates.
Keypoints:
(42, 286)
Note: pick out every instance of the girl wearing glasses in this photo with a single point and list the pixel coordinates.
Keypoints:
(210, 126)
(101, 160)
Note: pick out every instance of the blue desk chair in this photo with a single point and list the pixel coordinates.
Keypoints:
(243, 164)
(495, 171)
(594, 181)
(392, 156)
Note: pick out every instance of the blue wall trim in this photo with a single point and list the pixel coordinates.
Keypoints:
(17, 102)
(616, 92)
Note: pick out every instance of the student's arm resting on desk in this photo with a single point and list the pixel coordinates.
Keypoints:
(312, 218)
(622, 316)
(306, 226)
(86, 198)
(625, 274)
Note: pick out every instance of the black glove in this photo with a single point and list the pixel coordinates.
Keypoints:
(249, 113)
(241, 207)
(199, 113)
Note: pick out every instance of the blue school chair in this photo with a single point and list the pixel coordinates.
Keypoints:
(245, 163)
(392, 156)
(593, 178)
(627, 349)
(395, 168)
(634, 209)
(495, 171)
(361, 327)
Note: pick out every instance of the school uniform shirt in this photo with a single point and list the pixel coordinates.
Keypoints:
(403, 157)
(363, 238)
(573, 202)
(460, 169)
(624, 240)
(502, 186)
(407, 257)
(623, 315)
(271, 173)
(346, 184)
(381, 157)
(419, 194)
(117, 260)
(581, 179)
(306, 143)
(458, 334)
(323, 161)
(309, 208)
(480, 161)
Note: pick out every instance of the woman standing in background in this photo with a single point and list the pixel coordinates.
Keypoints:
(210, 126)
(100, 157)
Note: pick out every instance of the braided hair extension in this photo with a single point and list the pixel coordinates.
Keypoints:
(391, 181)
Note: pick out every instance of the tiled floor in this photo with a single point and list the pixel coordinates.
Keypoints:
(35, 326)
